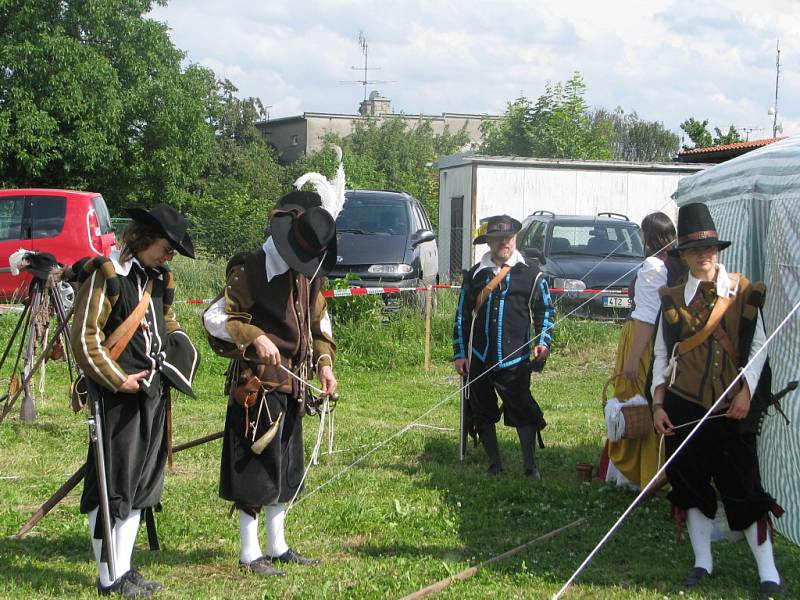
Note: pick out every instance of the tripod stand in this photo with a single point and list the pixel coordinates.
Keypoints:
(32, 332)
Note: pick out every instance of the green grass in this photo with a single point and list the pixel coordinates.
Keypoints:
(387, 513)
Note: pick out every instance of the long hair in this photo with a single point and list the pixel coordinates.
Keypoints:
(137, 237)
(659, 237)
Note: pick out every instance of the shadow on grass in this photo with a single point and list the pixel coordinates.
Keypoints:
(44, 564)
(498, 513)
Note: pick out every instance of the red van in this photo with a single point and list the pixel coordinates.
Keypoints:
(65, 223)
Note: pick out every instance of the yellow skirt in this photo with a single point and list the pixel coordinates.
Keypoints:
(635, 459)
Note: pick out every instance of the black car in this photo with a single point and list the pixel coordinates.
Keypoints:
(589, 261)
(386, 239)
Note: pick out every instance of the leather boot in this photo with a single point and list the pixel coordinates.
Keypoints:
(488, 438)
(527, 439)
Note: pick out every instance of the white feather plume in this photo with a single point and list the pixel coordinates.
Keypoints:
(331, 192)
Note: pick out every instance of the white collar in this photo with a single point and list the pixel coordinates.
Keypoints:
(723, 285)
(123, 268)
(487, 262)
(274, 264)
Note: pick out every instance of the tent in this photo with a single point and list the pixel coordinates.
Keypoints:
(755, 202)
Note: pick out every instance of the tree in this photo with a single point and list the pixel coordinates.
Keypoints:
(389, 154)
(240, 183)
(633, 139)
(701, 138)
(557, 125)
(93, 95)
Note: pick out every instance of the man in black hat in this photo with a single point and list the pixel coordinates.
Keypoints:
(711, 329)
(272, 320)
(131, 378)
(501, 297)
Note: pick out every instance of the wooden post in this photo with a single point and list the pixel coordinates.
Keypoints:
(428, 307)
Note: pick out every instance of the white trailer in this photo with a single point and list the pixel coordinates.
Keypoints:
(473, 187)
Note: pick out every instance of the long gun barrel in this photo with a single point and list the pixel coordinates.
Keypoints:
(96, 439)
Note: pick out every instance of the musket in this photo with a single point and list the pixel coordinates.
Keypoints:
(462, 422)
(96, 439)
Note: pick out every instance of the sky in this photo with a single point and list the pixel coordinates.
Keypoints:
(667, 60)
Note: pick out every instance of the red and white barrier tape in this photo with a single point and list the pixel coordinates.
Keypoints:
(349, 292)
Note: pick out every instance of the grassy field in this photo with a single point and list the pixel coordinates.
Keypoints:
(392, 509)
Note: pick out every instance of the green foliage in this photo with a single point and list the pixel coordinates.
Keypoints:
(390, 155)
(636, 140)
(93, 95)
(241, 182)
(347, 310)
(701, 138)
(557, 125)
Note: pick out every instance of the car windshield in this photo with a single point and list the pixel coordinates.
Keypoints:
(373, 216)
(597, 239)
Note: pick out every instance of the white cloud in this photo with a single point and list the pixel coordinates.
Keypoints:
(666, 59)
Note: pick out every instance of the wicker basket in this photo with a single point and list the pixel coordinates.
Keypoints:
(638, 418)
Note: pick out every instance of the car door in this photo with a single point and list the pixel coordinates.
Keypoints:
(428, 251)
(14, 235)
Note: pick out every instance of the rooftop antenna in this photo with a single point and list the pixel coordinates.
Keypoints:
(774, 110)
(747, 130)
(362, 42)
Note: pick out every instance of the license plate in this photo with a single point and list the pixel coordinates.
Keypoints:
(616, 302)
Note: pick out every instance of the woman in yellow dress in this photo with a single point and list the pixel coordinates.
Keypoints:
(633, 462)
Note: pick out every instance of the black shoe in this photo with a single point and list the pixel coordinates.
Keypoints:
(262, 566)
(769, 590)
(290, 556)
(533, 473)
(137, 578)
(124, 587)
(695, 576)
(494, 470)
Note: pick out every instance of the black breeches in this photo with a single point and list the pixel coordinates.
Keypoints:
(718, 452)
(513, 385)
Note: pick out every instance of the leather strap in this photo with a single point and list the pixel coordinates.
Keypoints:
(119, 338)
(484, 293)
(713, 321)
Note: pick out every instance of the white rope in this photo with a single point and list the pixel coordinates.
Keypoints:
(677, 451)
(448, 397)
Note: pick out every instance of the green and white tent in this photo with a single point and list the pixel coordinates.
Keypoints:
(755, 202)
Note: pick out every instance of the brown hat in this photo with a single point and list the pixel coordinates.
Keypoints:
(497, 226)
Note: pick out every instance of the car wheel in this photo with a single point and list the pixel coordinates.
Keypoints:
(67, 293)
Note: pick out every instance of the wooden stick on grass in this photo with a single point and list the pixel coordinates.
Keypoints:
(469, 572)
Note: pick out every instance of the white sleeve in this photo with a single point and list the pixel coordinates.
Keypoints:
(753, 371)
(660, 359)
(651, 277)
(214, 320)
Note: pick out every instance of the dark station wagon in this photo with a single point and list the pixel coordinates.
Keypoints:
(589, 261)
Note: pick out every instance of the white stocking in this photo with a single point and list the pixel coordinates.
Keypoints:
(125, 531)
(248, 531)
(274, 516)
(699, 527)
(97, 546)
(767, 571)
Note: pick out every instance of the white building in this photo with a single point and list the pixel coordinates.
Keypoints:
(472, 187)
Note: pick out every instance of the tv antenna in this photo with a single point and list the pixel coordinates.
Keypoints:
(747, 130)
(365, 81)
(774, 109)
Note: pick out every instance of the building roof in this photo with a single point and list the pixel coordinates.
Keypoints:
(723, 152)
(461, 159)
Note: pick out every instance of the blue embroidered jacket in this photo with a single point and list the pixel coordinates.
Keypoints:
(502, 329)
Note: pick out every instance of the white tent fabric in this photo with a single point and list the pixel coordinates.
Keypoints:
(755, 202)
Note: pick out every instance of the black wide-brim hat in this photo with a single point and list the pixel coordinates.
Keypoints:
(305, 238)
(497, 226)
(40, 264)
(168, 221)
(696, 229)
